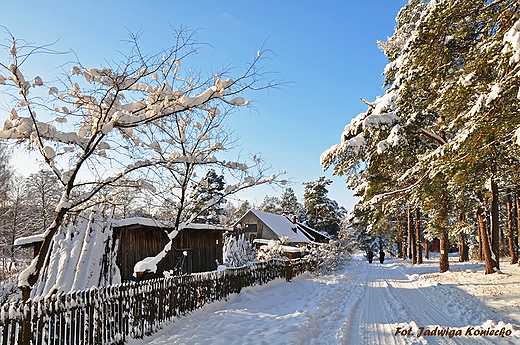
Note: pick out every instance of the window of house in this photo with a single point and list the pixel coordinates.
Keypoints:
(250, 227)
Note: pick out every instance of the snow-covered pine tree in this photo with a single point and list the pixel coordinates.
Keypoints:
(209, 189)
(323, 214)
(443, 108)
(289, 203)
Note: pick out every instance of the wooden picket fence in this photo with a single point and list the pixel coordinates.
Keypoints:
(110, 315)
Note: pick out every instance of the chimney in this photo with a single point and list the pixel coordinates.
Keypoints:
(294, 219)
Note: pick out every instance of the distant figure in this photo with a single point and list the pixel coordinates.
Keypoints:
(370, 256)
(381, 256)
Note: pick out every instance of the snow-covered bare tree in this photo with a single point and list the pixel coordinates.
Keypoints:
(15, 217)
(242, 209)
(6, 172)
(129, 124)
(43, 192)
(228, 218)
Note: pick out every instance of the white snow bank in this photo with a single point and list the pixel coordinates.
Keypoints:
(361, 304)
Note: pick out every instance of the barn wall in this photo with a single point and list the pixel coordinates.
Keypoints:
(206, 247)
(137, 243)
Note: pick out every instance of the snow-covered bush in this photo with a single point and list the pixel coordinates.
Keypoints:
(237, 251)
(330, 256)
(271, 250)
(473, 248)
(9, 289)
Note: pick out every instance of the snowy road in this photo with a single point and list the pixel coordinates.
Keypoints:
(362, 304)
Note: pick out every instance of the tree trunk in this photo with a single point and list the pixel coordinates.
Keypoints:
(427, 250)
(511, 234)
(399, 236)
(517, 235)
(405, 238)
(495, 231)
(410, 238)
(44, 251)
(480, 248)
(445, 245)
(463, 246)
(418, 234)
(486, 245)
(463, 249)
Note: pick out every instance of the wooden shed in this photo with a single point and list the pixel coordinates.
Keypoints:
(34, 242)
(195, 248)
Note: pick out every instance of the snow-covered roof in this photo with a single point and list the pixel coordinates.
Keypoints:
(311, 233)
(197, 226)
(119, 223)
(285, 249)
(28, 240)
(281, 226)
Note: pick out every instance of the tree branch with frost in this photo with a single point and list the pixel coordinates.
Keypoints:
(139, 110)
(429, 134)
(377, 198)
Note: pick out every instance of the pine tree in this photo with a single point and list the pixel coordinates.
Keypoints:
(323, 214)
(289, 203)
(208, 191)
(271, 204)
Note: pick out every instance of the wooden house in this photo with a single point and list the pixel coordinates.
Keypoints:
(257, 224)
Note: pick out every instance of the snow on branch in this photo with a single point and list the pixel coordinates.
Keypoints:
(377, 198)
(129, 125)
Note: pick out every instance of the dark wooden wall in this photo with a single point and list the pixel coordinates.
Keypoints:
(206, 247)
(139, 242)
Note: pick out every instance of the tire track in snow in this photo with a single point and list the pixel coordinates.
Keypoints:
(392, 301)
(359, 304)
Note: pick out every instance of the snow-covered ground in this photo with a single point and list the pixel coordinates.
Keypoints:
(363, 304)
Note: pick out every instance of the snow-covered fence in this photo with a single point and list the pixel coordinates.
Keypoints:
(112, 314)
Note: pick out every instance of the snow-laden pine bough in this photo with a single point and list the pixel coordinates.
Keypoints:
(132, 125)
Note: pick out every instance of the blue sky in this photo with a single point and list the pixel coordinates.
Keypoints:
(325, 51)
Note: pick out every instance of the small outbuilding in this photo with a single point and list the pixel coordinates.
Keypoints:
(195, 248)
(34, 242)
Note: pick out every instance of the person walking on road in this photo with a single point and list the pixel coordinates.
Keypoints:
(381, 256)
(370, 256)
